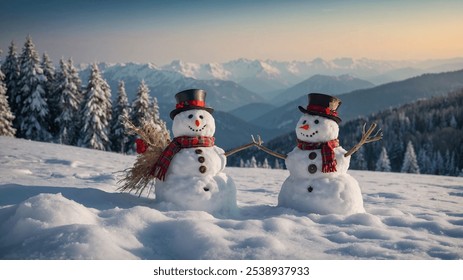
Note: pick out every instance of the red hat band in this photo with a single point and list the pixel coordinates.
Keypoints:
(197, 103)
(321, 109)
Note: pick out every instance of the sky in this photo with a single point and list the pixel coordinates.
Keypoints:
(202, 31)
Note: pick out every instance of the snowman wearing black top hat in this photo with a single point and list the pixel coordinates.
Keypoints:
(318, 181)
(189, 171)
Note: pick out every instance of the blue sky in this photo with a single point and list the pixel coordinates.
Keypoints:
(219, 31)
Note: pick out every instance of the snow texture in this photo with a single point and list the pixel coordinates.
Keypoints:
(60, 202)
(308, 189)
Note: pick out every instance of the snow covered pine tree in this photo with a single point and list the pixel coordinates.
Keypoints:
(34, 117)
(6, 117)
(95, 113)
(119, 125)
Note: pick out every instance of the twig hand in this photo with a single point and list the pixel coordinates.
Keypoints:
(366, 138)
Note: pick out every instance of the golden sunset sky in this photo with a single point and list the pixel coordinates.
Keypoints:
(218, 31)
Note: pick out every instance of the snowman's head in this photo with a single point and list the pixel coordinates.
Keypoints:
(193, 123)
(313, 128)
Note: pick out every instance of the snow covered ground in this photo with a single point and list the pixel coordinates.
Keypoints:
(60, 202)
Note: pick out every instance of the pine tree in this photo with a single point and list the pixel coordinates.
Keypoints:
(410, 164)
(119, 126)
(277, 164)
(438, 164)
(359, 162)
(265, 164)
(49, 73)
(34, 116)
(68, 106)
(6, 117)
(141, 105)
(155, 116)
(253, 162)
(96, 112)
(396, 152)
(59, 84)
(74, 76)
(383, 164)
(155, 111)
(10, 69)
(424, 162)
(241, 162)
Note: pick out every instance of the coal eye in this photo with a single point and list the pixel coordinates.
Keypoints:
(201, 117)
(190, 116)
(316, 121)
(304, 122)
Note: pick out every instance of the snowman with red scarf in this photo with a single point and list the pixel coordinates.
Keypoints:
(318, 181)
(189, 171)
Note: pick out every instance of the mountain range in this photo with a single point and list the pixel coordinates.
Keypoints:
(163, 84)
(239, 109)
(262, 76)
(366, 101)
(335, 85)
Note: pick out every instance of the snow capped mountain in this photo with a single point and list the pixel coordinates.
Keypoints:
(206, 71)
(246, 77)
(262, 76)
(222, 95)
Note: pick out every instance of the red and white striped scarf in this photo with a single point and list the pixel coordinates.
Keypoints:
(160, 168)
(327, 151)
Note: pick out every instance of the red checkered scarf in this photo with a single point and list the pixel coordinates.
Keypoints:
(159, 170)
(328, 156)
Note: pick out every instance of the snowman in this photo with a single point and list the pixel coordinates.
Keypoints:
(318, 181)
(189, 171)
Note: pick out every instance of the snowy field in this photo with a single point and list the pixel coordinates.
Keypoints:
(60, 202)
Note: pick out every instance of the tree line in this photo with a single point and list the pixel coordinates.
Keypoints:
(41, 103)
(421, 137)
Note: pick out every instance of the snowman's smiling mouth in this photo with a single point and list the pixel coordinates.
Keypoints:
(197, 130)
(308, 135)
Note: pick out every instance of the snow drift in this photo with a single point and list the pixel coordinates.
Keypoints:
(60, 202)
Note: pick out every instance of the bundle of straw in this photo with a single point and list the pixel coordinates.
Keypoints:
(156, 137)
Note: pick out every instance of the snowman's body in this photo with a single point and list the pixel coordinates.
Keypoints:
(195, 179)
(308, 189)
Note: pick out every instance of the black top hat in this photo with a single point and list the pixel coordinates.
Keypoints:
(190, 99)
(323, 105)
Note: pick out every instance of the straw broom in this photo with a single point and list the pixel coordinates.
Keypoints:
(138, 177)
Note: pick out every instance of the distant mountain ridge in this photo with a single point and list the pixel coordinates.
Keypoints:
(227, 96)
(269, 75)
(322, 83)
(366, 101)
(243, 81)
(222, 95)
(252, 111)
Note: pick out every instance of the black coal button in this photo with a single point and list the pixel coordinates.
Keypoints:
(312, 168)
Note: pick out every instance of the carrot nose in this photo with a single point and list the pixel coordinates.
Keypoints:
(197, 123)
(305, 126)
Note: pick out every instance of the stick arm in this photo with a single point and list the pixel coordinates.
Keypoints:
(270, 152)
(240, 148)
(366, 138)
(259, 143)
